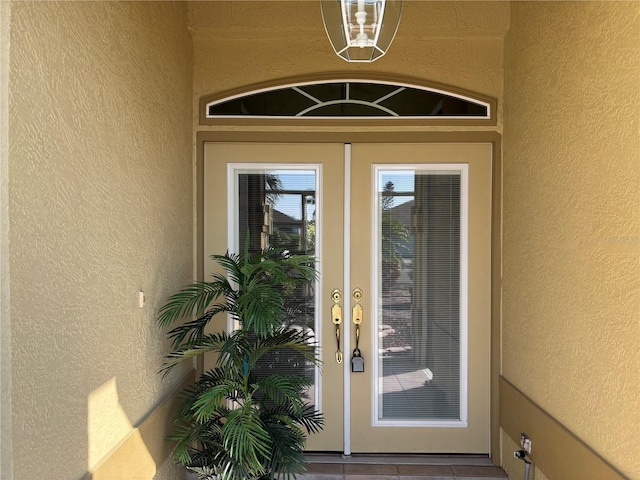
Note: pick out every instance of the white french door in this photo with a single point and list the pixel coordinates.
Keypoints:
(402, 237)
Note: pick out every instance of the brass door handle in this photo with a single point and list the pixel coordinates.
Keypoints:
(357, 320)
(357, 316)
(336, 319)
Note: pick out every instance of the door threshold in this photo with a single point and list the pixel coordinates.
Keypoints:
(399, 459)
(326, 466)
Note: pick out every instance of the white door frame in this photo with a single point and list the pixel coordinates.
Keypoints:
(347, 298)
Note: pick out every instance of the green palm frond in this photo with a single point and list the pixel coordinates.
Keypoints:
(287, 454)
(191, 301)
(187, 431)
(311, 419)
(183, 434)
(245, 439)
(233, 351)
(207, 343)
(231, 263)
(282, 389)
(288, 342)
(210, 401)
(190, 330)
(191, 394)
(261, 308)
(244, 419)
(206, 473)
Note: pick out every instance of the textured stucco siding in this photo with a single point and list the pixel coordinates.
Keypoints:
(571, 285)
(237, 44)
(100, 203)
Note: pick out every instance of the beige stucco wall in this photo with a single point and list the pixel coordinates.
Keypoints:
(571, 286)
(237, 44)
(100, 205)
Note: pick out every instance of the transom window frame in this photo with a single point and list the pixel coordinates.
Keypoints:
(400, 81)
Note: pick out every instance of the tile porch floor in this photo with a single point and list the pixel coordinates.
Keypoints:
(401, 467)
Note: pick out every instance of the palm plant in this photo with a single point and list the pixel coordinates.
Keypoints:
(238, 422)
(393, 240)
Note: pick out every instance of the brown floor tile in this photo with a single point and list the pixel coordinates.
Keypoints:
(476, 472)
(435, 471)
(370, 476)
(428, 477)
(370, 469)
(324, 468)
(320, 476)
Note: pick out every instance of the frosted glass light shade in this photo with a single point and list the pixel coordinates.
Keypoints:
(361, 30)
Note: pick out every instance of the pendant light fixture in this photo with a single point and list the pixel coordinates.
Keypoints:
(361, 30)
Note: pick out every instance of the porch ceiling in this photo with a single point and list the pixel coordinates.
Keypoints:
(253, 19)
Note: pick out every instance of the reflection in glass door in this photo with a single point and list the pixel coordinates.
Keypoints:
(276, 208)
(419, 315)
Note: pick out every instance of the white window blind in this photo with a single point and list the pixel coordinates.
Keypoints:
(419, 316)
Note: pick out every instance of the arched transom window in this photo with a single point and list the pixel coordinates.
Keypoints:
(349, 99)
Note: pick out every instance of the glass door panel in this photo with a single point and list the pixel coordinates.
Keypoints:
(418, 317)
(276, 208)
